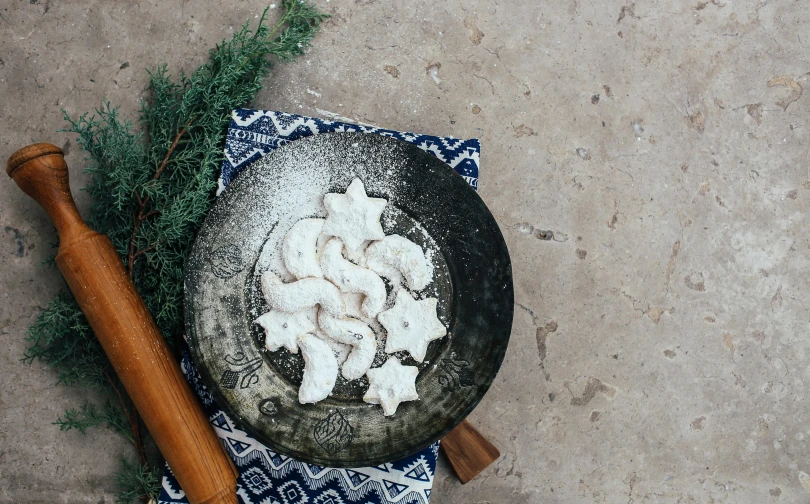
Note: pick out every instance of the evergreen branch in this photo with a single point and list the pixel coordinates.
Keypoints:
(79, 420)
(114, 419)
(136, 481)
(143, 251)
(296, 37)
(169, 152)
(139, 218)
(142, 206)
(89, 416)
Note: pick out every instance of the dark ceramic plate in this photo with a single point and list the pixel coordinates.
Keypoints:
(427, 203)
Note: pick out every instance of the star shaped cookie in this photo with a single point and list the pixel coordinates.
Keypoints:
(283, 329)
(354, 217)
(391, 384)
(411, 325)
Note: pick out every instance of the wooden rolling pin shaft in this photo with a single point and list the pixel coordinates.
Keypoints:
(127, 332)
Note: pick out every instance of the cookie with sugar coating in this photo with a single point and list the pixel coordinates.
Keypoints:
(411, 325)
(396, 254)
(354, 217)
(355, 333)
(350, 277)
(391, 384)
(302, 294)
(320, 370)
(299, 249)
(283, 329)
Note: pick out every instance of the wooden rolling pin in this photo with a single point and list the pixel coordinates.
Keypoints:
(127, 332)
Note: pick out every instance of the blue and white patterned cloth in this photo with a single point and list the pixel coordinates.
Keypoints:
(267, 477)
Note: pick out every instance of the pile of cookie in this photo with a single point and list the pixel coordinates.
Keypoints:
(354, 258)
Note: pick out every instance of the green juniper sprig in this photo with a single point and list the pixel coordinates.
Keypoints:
(90, 416)
(137, 481)
(150, 187)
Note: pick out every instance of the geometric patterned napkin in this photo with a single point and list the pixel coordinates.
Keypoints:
(267, 477)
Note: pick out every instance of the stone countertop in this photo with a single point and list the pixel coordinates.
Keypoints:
(647, 163)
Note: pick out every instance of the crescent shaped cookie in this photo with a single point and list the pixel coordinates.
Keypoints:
(391, 384)
(298, 250)
(320, 369)
(355, 333)
(354, 217)
(302, 294)
(352, 278)
(403, 255)
(411, 325)
(282, 329)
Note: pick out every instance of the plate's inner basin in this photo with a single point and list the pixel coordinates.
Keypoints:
(289, 366)
(427, 203)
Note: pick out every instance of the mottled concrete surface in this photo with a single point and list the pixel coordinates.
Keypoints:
(648, 165)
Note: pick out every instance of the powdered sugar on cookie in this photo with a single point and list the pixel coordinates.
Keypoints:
(391, 384)
(282, 329)
(354, 217)
(397, 253)
(299, 252)
(411, 325)
(305, 293)
(320, 370)
(355, 333)
(352, 278)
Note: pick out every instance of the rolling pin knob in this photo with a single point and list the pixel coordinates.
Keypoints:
(32, 152)
(41, 172)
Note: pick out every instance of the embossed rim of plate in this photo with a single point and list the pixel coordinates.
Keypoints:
(478, 333)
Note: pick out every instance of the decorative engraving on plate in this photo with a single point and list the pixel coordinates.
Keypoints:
(226, 261)
(244, 372)
(456, 373)
(334, 432)
(267, 407)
